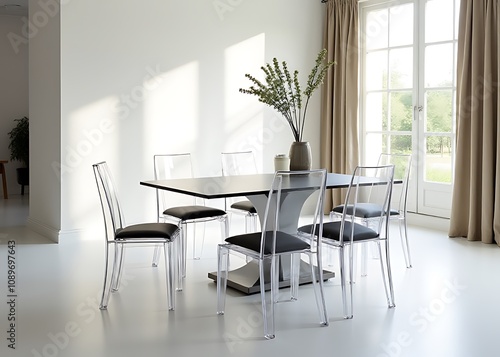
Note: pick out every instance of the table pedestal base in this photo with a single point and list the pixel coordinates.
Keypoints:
(246, 278)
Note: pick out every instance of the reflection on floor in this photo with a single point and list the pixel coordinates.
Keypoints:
(446, 305)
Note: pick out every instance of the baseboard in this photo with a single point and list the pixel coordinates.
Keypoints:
(70, 234)
(431, 222)
(44, 230)
(55, 235)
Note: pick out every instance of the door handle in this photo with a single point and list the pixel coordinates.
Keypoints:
(415, 108)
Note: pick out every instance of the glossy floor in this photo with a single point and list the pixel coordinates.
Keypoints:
(446, 305)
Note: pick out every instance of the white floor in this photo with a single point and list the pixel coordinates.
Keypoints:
(448, 304)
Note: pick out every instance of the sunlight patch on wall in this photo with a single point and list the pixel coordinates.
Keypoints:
(171, 111)
(92, 134)
(243, 113)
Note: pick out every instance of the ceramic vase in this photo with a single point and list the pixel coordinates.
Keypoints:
(300, 156)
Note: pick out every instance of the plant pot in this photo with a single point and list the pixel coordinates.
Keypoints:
(300, 156)
(23, 177)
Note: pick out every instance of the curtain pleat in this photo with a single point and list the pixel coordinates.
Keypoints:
(475, 210)
(339, 116)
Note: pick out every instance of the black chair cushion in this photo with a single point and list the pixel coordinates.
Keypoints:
(244, 206)
(285, 242)
(331, 230)
(193, 212)
(147, 230)
(365, 210)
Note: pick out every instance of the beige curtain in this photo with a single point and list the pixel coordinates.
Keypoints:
(475, 210)
(339, 116)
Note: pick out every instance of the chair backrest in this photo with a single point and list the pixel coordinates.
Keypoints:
(111, 209)
(172, 166)
(402, 168)
(237, 163)
(311, 183)
(379, 191)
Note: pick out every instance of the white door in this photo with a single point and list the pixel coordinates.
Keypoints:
(408, 86)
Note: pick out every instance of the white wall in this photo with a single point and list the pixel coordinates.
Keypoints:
(45, 118)
(164, 78)
(13, 91)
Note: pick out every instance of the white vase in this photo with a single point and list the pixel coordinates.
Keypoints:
(281, 162)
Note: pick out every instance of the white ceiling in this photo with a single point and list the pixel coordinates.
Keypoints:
(14, 7)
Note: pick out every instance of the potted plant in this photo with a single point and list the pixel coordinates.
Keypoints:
(19, 150)
(281, 91)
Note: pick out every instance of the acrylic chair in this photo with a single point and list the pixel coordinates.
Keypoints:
(271, 244)
(368, 211)
(240, 163)
(183, 209)
(346, 232)
(119, 234)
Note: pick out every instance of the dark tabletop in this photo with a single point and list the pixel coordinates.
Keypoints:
(241, 185)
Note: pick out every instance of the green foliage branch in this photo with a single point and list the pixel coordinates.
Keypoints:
(281, 90)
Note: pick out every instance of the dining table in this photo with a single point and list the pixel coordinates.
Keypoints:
(256, 188)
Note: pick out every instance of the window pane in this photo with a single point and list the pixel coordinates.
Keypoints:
(376, 35)
(400, 144)
(401, 111)
(376, 111)
(438, 159)
(439, 20)
(376, 70)
(401, 68)
(399, 162)
(386, 143)
(374, 144)
(438, 65)
(401, 25)
(438, 104)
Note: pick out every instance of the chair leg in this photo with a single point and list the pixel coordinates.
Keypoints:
(252, 218)
(183, 247)
(255, 219)
(364, 258)
(351, 278)
(268, 306)
(247, 224)
(181, 257)
(177, 261)
(156, 256)
(198, 246)
(118, 267)
(344, 280)
(108, 273)
(403, 233)
(318, 289)
(389, 290)
(222, 272)
(170, 273)
(372, 247)
(251, 223)
(225, 223)
(330, 255)
(294, 276)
